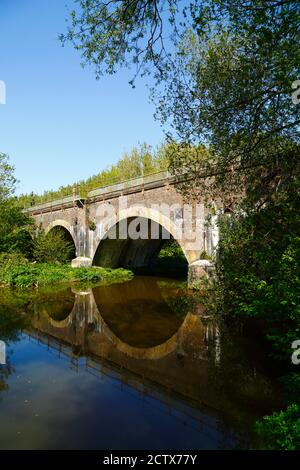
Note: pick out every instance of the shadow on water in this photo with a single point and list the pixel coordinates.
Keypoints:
(144, 338)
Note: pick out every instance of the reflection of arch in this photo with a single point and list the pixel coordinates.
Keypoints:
(152, 215)
(61, 324)
(153, 353)
(84, 302)
(64, 318)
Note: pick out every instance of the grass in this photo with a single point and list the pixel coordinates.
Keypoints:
(22, 274)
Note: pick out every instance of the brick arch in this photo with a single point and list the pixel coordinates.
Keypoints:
(68, 227)
(59, 223)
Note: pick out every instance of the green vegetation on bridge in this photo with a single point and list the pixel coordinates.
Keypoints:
(140, 161)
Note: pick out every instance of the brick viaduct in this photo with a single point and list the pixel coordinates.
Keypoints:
(91, 222)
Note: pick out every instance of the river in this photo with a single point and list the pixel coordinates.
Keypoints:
(134, 365)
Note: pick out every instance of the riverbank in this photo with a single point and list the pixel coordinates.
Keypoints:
(16, 271)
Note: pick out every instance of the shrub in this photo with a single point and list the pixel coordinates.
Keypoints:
(171, 249)
(22, 274)
(281, 430)
(9, 262)
(53, 247)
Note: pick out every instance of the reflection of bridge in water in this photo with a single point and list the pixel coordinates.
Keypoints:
(153, 394)
(138, 335)
(170, 375)
(146, 338)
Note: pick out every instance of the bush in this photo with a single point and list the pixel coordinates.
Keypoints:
(53, 247)
(15, 229)
(258, 276)
(281, 430)
(171, 249)
(8, 263)
(18, 272)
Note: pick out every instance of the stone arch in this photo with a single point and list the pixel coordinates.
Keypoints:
(150, 214)
(60, 223)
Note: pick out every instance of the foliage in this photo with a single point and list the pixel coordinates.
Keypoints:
(8, 262)
(24, 275)
(169, 262)
(258, 276)
(171, 249)
(53, 247)
(7, 179)
(112, 34)
(281, 430)
(291, 383)
(245, 117)
(205, 255)
(258, 272)
(15, 227)
(140, 161)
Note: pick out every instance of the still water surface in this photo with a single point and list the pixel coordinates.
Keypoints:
(127, 366)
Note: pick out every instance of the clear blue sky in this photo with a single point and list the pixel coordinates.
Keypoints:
(59, 124)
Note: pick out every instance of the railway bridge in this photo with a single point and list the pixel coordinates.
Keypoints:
(126, 224)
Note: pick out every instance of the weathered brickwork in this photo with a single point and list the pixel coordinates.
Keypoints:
(89, 220)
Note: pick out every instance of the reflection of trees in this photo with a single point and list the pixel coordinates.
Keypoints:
(180, 306)
(57, 306)
(240, 377)
(17, 308)
(12, 321)
(180, 300)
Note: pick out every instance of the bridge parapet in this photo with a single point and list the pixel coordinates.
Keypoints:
(64, 203)
(138, 184)
(151, 181)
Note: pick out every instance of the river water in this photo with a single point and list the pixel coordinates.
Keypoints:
(134, 365)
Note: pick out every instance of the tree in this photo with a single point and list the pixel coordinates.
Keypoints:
(231, 88)
(228, 81)
(7, 179)
(225, 88)
(15, 227)
(116, 33)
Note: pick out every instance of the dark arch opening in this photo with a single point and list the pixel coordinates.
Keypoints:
(68, 244)
(155, 252)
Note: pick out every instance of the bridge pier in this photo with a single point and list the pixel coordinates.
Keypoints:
(198, 270)
(82, 262)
